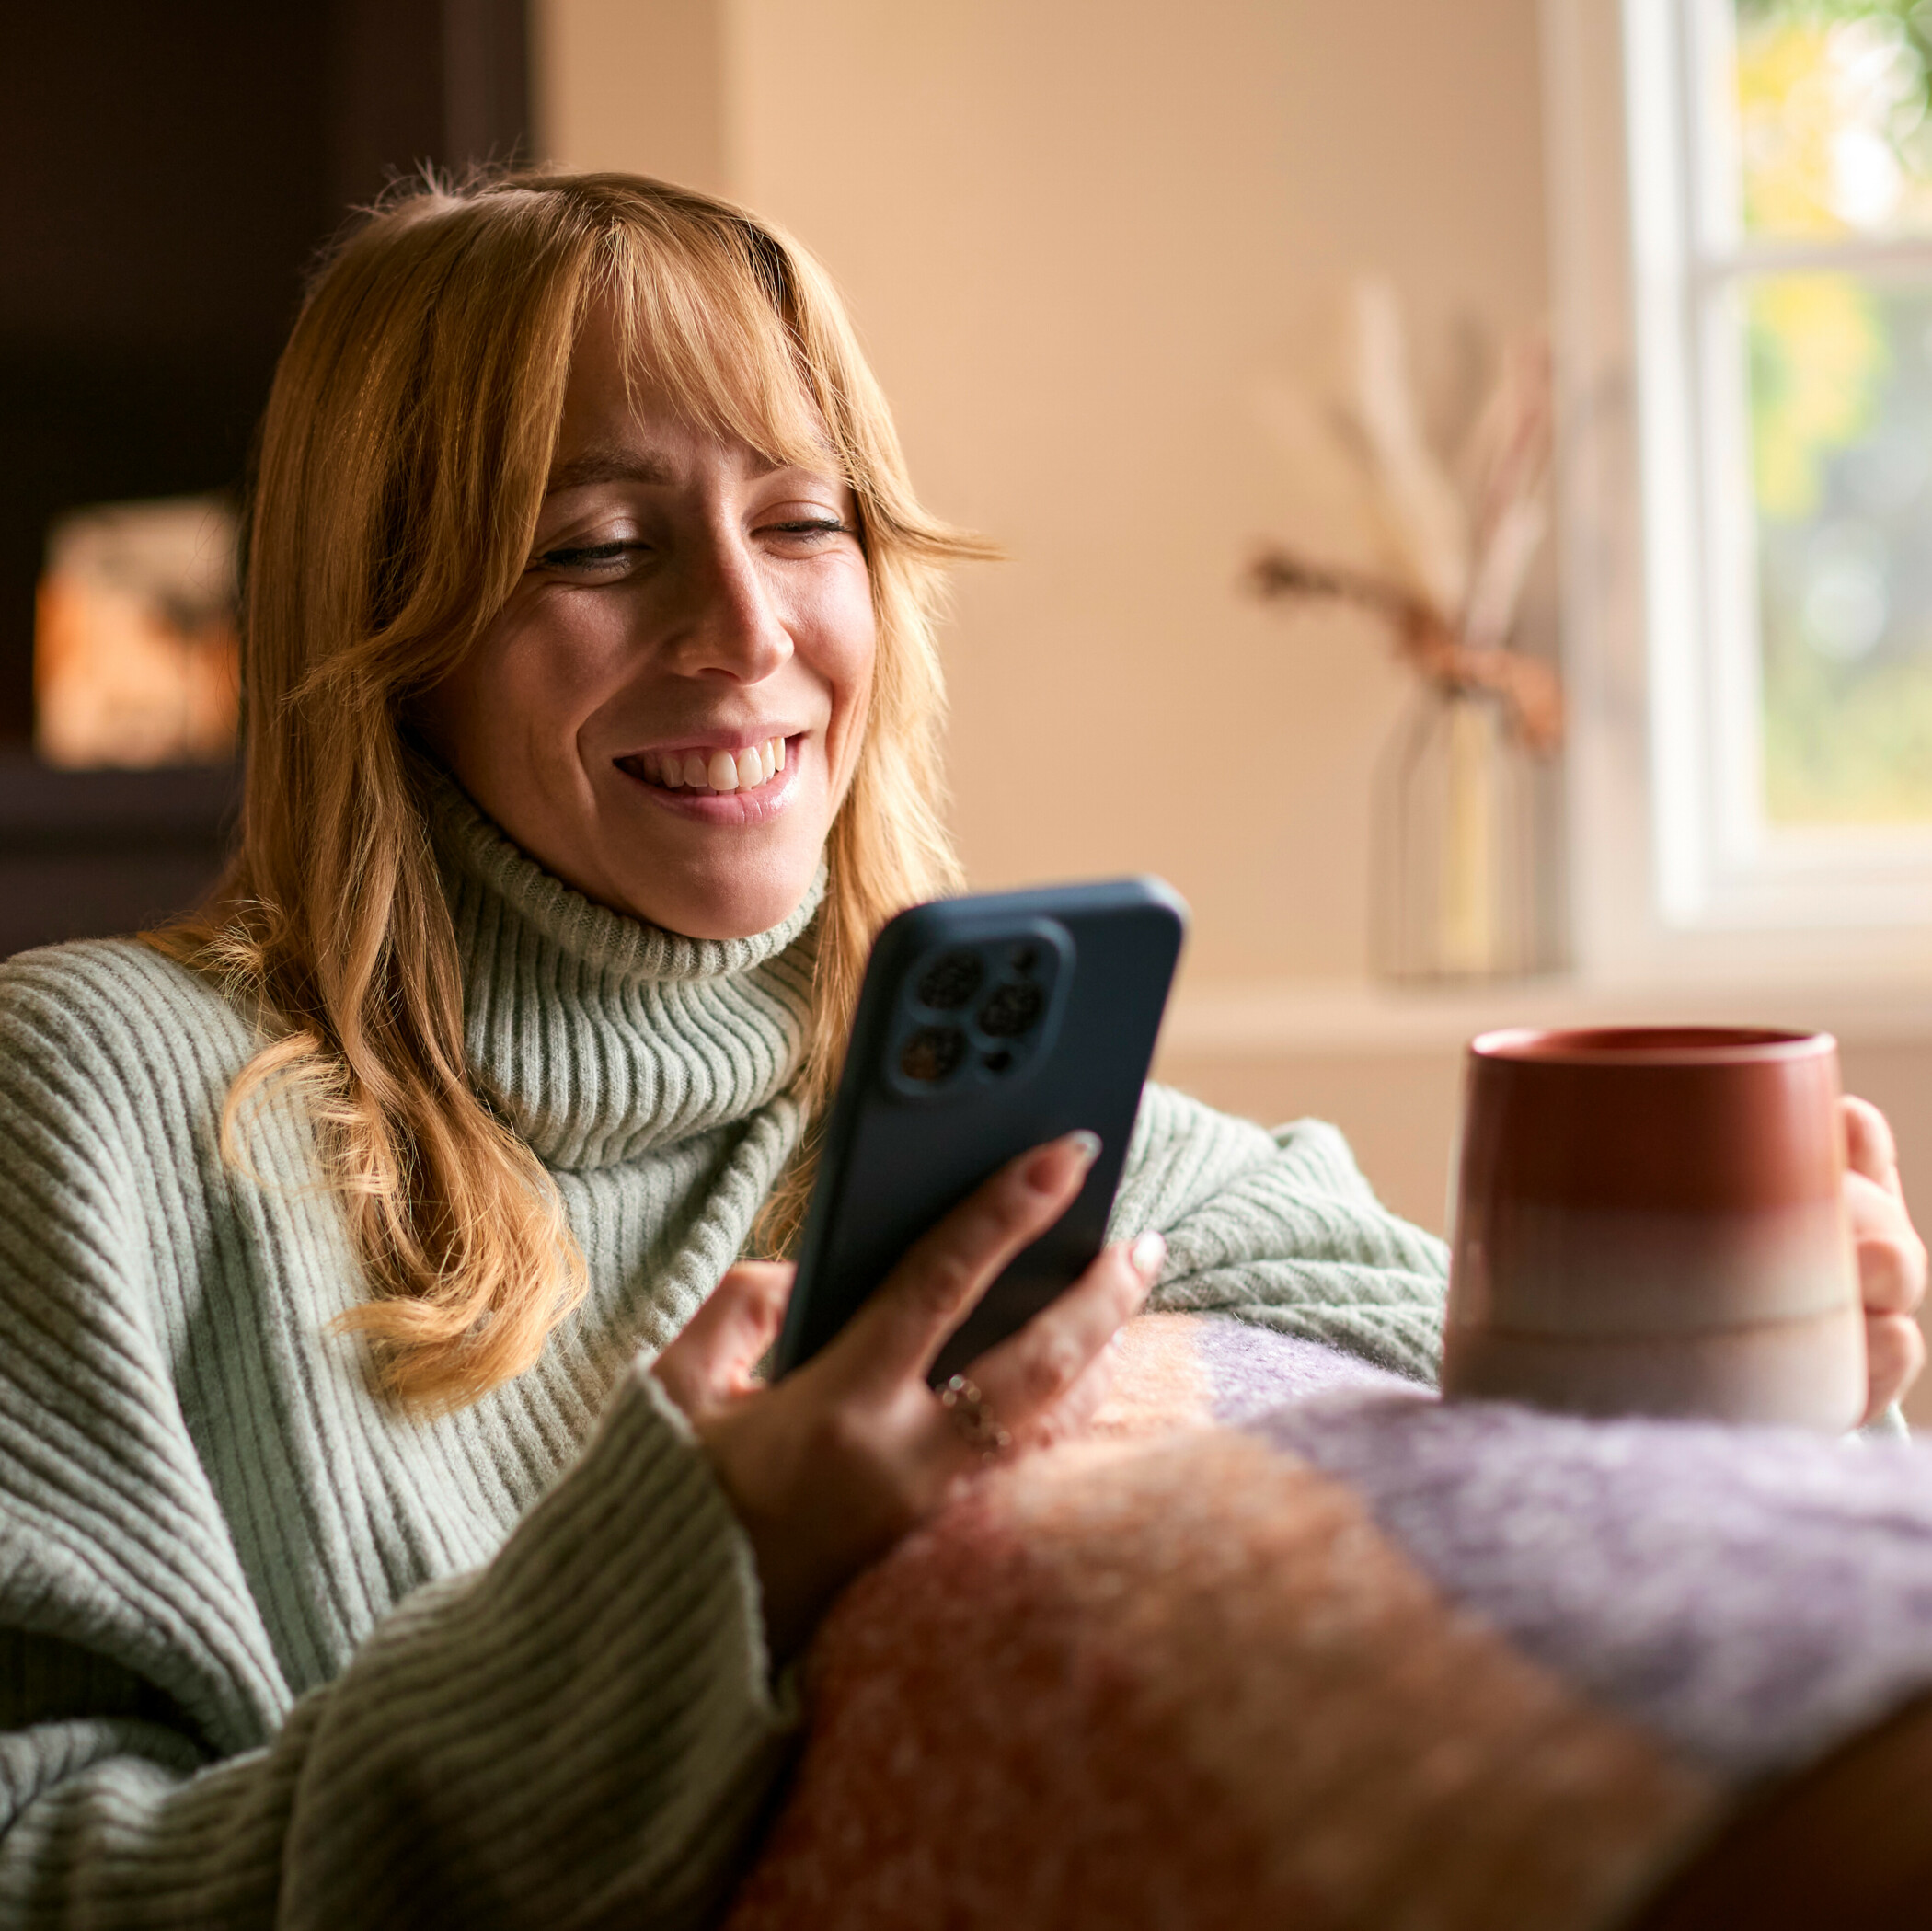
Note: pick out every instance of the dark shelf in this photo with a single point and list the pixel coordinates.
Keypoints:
(43, 809)
(90, 854)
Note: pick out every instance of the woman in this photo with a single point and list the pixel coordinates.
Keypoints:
(393, 1532)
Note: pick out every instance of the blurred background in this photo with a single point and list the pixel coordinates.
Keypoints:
(1156, 292)
(173, 171)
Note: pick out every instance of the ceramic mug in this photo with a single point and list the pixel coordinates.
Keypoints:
(1651, 1221)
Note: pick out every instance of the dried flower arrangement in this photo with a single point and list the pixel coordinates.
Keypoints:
(1458, 891)
(1457, 537)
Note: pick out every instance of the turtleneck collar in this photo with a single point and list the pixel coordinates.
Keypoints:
(600, 1037)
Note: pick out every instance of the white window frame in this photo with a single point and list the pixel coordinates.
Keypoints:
(1673, 870)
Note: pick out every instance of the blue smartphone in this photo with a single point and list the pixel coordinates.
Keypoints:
(985, 1026)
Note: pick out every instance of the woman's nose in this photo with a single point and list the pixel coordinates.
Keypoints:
(730, 624)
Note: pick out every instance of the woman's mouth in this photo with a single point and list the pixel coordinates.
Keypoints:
(710, 773)
(720, 785)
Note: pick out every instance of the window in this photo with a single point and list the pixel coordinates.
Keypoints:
(1742, 218)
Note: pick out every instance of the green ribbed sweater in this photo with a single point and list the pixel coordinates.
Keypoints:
(272, 1653)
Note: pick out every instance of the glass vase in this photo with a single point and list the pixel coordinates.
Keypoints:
(1454, 850)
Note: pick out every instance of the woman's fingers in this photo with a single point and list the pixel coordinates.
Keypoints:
(1868, 1145)
(1894, 1352)
(899, 1330)
(1030, 1375)
(1070, 1414)
(712, 1359)
(1892, 1257)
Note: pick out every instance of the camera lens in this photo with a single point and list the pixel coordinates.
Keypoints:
(932, 1052)
(950, 981)
(1024, 957)
(1011, 1011)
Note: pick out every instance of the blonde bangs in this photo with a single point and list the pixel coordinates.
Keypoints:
(702, 330)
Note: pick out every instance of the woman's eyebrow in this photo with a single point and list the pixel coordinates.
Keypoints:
(635, 466)
(608, 466)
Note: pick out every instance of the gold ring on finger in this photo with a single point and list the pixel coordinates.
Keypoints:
(973, 1416)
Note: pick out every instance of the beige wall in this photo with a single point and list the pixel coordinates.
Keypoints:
(1076, 236)
(636, 85)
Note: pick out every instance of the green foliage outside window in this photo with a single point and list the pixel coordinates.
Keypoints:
(1834, 101)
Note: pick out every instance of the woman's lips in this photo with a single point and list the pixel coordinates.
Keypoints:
(719, 787)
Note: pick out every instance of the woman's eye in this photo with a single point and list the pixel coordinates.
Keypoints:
(809, 526)
(591, 559)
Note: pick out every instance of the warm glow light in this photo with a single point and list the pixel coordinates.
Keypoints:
(136, 652)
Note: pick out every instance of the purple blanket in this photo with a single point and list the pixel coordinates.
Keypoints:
(1752, 1596)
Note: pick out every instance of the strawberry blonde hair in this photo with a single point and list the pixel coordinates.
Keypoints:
(409, 437)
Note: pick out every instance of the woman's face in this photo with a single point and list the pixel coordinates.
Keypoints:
(667, 712)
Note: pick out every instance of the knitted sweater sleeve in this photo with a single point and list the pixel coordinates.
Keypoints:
(578, 1732)
(1280, 1229)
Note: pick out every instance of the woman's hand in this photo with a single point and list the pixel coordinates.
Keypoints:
(1892, 1257)
(832, 1465)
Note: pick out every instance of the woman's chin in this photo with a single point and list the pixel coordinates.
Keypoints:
(736, 907)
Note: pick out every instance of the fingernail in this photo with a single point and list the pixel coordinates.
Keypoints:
(1146, 1254)
(1047, 1171)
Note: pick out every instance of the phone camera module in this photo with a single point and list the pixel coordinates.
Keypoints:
(1012, 1010)
(933, 1053)
(950, 981)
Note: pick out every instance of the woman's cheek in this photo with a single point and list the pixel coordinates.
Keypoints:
(851, 709)
(851, 644)
(566, 653)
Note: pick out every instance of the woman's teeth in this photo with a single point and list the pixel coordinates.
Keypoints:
(717, 770)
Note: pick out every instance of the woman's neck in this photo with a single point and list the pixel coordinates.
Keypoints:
(601, 1038)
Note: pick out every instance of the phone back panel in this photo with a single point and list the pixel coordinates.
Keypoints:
(985, 1026)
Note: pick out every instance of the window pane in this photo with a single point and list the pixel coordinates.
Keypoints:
(1841, 423)
(1832, 99)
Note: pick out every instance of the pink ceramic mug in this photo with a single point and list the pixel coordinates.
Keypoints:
(1651, 1221)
